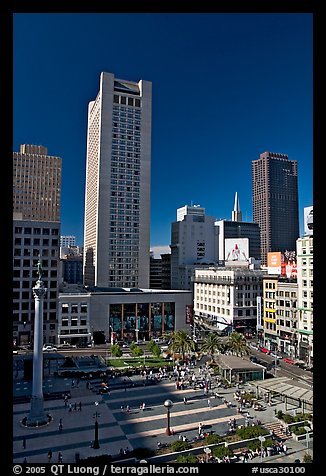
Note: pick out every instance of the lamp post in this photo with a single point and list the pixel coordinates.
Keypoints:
(168, 405)
(262, 439)
(96, 443)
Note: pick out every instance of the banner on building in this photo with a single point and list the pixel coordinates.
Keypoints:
(236, 249)
(282, 264)
(308, 219)
(259, 321)
(189, 314)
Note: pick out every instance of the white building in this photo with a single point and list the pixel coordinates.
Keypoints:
(305, 267)
(193, 244)
(225, 299)
(130, 314)
(67, 241)
(117, 195)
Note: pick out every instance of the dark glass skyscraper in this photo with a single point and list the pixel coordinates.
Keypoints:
(275, 202)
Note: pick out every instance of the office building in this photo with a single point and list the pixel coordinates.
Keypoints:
(238, 229)
(67, 241)
(36, 184)
(305, 270)
(225, 299)
(117, 195)
(34, 240)
(193, 244)
(275, 202)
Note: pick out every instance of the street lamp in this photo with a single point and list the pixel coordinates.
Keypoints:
(96, 443)
(168, 405)
(262, 439)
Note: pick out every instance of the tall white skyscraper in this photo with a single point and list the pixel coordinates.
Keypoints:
(117, 194)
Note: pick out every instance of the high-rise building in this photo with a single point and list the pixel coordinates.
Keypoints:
(36, 184)
(275, 202)
(117, 195)
(193, 244)
(34, 240)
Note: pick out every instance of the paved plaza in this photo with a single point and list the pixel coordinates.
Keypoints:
(121, 430)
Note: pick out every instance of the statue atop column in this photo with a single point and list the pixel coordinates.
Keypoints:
(39, 269)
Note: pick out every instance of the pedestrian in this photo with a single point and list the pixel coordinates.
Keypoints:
(144, 405)
(59, 457)
(185, 400)
(70, 407)
(60, 426)
(75, 406)
(72, 383)
(208, 403)
(25, 460)
(24, 443)
(80, 406)
(49, 456)
(284, 449)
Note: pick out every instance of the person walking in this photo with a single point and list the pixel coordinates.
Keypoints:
(49, 455)
(24, 443)
(80, 406)
(185, 401)
(209, 403)
(60, 457)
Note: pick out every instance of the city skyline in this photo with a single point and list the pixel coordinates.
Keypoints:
(226, 88)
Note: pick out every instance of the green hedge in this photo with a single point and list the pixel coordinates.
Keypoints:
(187, 459)
(251, 432)
(180, 446)
(222, 451)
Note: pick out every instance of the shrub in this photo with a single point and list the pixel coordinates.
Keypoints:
(288, 418)
(279, 415)
(180, 446)
(307, 458)
(187, 459)
(211, 439)
(299, 430)
(222, 451)
(251, 432)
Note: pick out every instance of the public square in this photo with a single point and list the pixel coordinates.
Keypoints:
(121, 430)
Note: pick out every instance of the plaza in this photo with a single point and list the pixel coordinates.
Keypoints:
(123, 425)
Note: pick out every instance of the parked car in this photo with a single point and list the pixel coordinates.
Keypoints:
(288, 360)
(49, 348)
(264, 350)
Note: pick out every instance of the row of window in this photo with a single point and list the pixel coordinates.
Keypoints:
(125, 100)
(19, 230)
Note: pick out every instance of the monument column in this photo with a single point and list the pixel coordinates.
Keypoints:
(37, 416)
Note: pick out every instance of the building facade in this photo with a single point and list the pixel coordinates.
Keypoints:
(120, 314)
(67, 241)
(305, 268)
(36, 184)
(34, 240)
(225, 299)
(280, 318)
(193, 242)
(275, 202)
(117, 195)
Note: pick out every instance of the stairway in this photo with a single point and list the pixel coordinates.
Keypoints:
(278, 430)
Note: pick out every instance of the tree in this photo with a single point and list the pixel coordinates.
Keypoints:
(116, 350)
(211, 345)
(237, 344)
(135, 350)
(181, 343)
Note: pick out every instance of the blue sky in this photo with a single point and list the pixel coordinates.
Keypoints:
(226, 87)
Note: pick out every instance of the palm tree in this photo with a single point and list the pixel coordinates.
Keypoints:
(212, 344)
(237, 344)
(181, 343)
